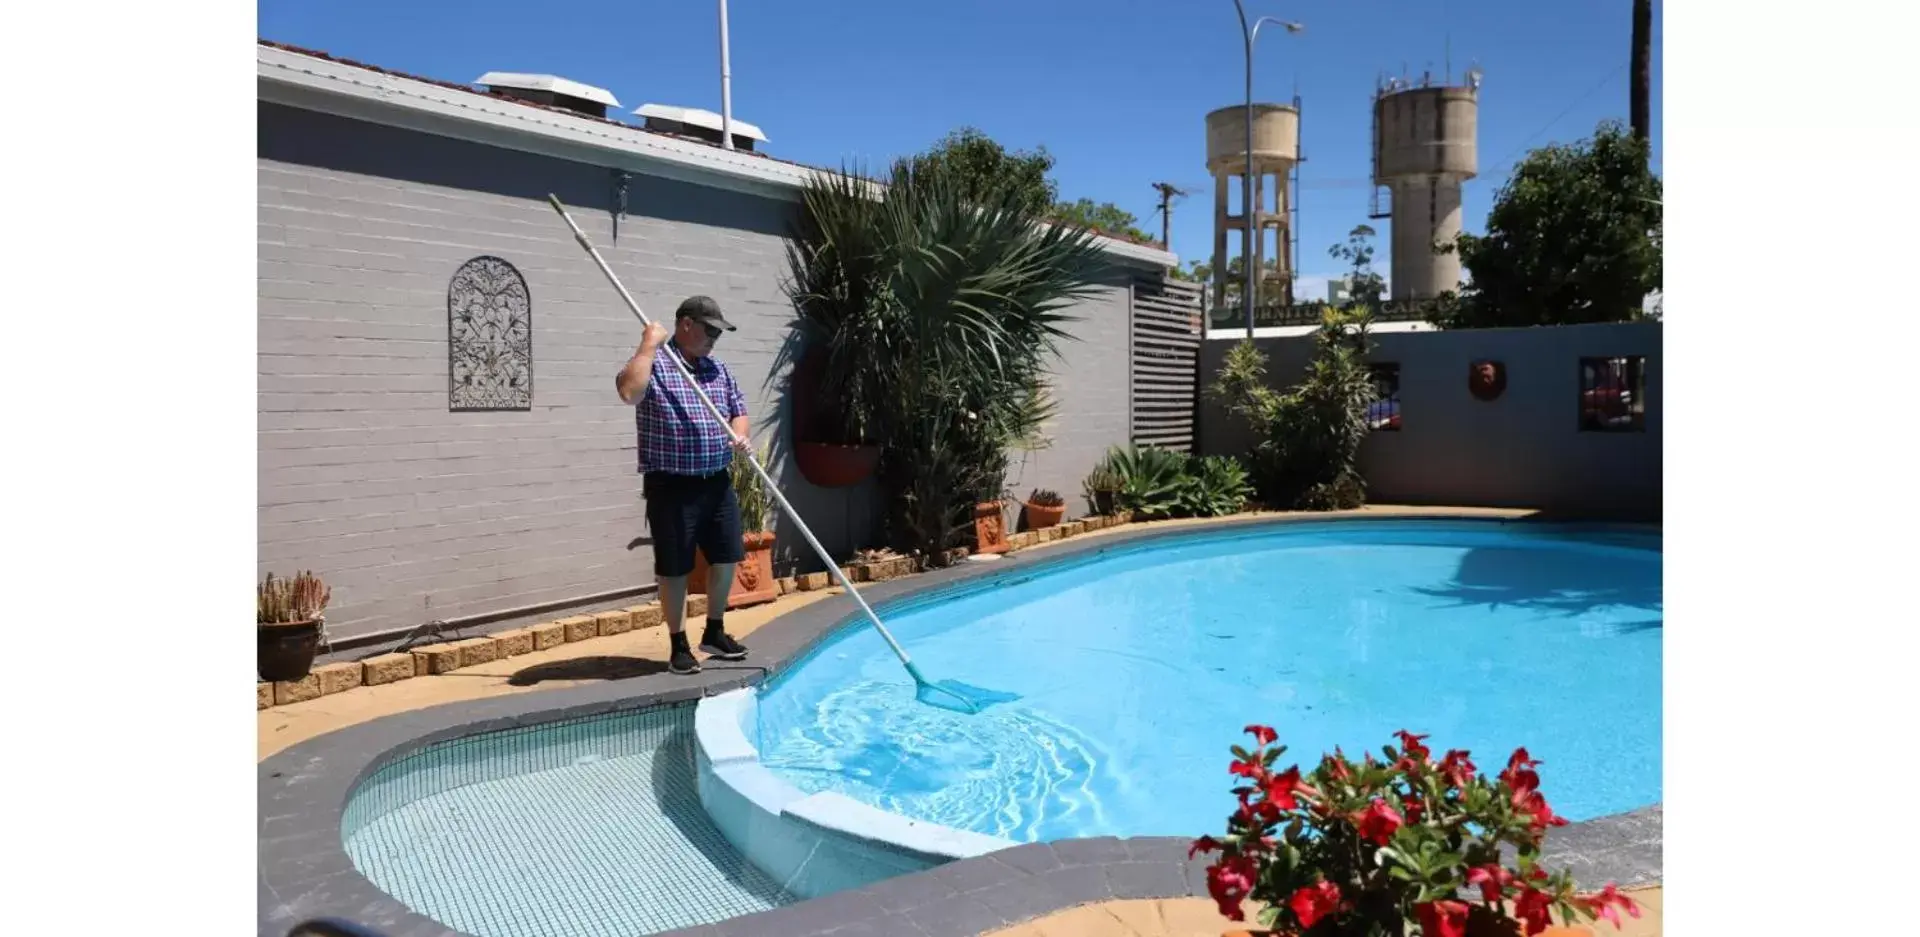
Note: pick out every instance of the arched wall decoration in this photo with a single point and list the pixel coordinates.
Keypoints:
(1487, 380)
(489, 338)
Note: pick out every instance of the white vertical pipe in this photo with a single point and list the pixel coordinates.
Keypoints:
(726, 83)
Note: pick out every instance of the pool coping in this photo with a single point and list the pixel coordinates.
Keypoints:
(304, 870)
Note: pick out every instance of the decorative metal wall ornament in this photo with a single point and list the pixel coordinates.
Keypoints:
(1487, 380)
(489, 338)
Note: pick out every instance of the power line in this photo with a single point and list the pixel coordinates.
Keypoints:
(1510, 157)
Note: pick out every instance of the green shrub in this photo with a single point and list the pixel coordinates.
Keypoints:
(1213, 486)
(1157, 483)
(1149, 479)
(1307, 453)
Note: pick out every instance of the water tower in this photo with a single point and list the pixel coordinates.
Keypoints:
(1424, 149)
(1276, 148)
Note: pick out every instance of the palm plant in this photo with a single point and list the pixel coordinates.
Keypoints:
(938, 313)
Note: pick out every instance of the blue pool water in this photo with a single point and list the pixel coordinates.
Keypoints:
(1137, 668)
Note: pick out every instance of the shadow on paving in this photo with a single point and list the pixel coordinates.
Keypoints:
(600, 667)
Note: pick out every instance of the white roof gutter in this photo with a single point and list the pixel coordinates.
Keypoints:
(316, 84)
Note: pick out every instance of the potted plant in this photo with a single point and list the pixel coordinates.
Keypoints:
(753, 581)
(290, 614)
(1102, 489)
(1382, 847)
(829, 446)
(1045, 508)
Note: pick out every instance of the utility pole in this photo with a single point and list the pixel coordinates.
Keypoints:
(1640, 108)
(1168, 192)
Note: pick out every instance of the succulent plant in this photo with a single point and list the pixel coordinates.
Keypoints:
(283, 601)
(1046, 498)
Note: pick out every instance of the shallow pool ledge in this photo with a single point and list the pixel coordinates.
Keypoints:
(814, 844)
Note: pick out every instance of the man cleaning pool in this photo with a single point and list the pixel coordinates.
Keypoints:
(683, 461)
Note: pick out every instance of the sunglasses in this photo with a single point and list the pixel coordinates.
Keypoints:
(713, 332)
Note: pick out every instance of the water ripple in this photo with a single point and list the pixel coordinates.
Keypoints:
(1008, 772)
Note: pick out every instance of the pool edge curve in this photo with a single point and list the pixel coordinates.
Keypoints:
(303, 869)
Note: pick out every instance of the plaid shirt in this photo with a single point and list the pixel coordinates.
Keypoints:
(676, 433)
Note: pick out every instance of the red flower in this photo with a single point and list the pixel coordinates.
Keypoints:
(1602, 905)
(1203, 844)
(1314, 902)
(1540, 816)
(1411, 747)
(1262, 734)
(1336, 765)
(1491, 878)
(1249, 768)
(1531, 908)
(1279, 789)
(1520, 774)
(1378, 822)
(1442, 918)
(1456, 768)
(1229, 881)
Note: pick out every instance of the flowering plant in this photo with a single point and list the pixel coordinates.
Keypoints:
(1371, 847)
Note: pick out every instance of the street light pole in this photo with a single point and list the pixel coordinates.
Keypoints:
(1248, 216)
(726, 83)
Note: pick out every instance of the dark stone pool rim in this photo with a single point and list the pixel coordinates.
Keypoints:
(304, 871)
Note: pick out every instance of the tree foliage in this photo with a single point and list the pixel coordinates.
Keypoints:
(1105, 217)
(981, 170)
(979, 165)
(1574, 236)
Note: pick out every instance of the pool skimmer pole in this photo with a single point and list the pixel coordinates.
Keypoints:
(945, 694)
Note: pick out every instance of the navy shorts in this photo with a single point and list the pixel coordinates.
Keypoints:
(684, 512)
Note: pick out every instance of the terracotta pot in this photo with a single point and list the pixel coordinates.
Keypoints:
(287, 649)
(989, 528)
(753, 581)
(1040, 516)
(829, 465)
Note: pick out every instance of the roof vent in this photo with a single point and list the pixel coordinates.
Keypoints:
(697, 124)
(550, 90)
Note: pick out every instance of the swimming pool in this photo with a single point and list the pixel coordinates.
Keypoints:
(1137, 667)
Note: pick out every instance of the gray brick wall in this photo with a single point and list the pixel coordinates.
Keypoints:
(413, 512)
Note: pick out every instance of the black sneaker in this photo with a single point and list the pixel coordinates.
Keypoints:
(682, 660)
(720, 644)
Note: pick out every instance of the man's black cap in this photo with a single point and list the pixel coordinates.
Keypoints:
(704, 310)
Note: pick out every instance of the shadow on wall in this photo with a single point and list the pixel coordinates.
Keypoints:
(368, 149)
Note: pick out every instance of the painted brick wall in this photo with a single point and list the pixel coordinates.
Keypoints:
(413, 512)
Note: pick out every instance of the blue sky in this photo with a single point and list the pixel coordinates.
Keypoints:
(1115, 89)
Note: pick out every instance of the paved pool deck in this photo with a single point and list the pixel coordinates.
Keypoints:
(1089, 888)
(1197, 917)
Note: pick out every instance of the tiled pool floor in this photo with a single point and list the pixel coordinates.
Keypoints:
(603, 848)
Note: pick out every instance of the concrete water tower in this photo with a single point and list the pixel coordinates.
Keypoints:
(1424, 149)
(1276, 148)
